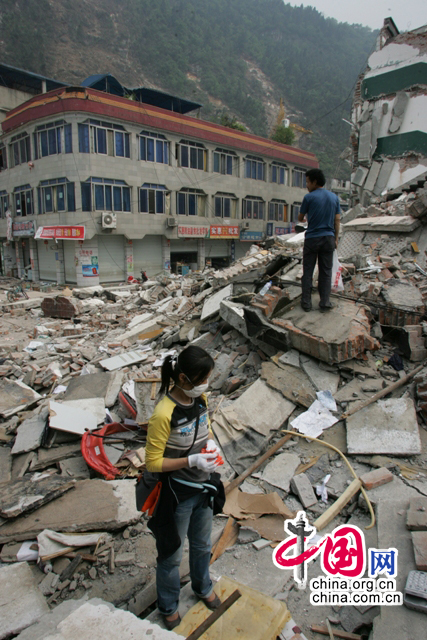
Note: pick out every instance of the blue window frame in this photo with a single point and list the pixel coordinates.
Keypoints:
(190, 202)
(20, 149)
(191, 155)
(225, 205)
(255, 168)
(105, 138)
(102, 194)
(55, 196)
(225, 162)
(278, 173)
(24, 202)
(153, 147)
(52, 138)
(154, 198)
(253, 208)
(277, 210)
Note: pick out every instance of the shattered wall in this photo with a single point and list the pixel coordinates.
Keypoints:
(389, 115)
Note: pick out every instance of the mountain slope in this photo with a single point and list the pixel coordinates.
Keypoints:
(240, 56)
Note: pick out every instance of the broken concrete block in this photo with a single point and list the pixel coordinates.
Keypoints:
(124, 359)
(322, 380)
(223, 367)
(22, 602)
(211, 305)
(30, 433)
(385, 427)
(293, 383)
(71, 419)
(416, 518)
(48, 457)
(280, 471)
(93, 505)
(74, 468)
(48, 585)
(15, 396)
(5, 465)
(419, 541)
(340, 335)
(60, 307)
(376, 478)
(301, 486)
(29, 493)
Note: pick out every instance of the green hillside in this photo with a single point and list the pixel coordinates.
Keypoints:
(235, 56)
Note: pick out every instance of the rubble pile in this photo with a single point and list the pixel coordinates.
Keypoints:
(76, 396)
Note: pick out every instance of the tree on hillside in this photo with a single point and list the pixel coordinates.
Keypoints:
(232, 123)
(283, 134)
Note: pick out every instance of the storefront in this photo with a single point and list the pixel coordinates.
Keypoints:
(111, 256)
(56, 253)
(147, 256)
(22, 231)
(219, 249)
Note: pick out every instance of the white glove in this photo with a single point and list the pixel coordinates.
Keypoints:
(203, 461)
(212, 447)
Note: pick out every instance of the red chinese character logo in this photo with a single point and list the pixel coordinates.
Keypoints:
(344, 552)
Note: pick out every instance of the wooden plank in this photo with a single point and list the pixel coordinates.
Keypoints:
(227, 539)
(318, 628)
(214, 615)
(153, 390)
(147, 380)
(330, 513)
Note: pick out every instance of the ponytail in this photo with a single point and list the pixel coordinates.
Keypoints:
(194, 362)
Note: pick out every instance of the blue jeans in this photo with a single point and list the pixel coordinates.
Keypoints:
(195, 520)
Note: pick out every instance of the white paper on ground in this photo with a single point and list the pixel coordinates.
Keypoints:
(25, 553)
(60, 388)
(313, 421)
(322, 490)
(327, 399)
(129, 388)
(160, 360)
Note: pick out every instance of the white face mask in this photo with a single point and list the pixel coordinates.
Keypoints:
(195, 392)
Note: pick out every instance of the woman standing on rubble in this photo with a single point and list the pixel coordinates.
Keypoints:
(178, 430)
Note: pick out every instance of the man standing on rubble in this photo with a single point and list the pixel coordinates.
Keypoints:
(322, 209)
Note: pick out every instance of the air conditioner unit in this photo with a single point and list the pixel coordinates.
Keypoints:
(172, 222)
(109, 220)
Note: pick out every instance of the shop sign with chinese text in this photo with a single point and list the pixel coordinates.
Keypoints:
(23, 228)
(61, 232)
(187, 231)
(223, 232)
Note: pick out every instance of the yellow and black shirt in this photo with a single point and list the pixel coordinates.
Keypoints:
(170, 434)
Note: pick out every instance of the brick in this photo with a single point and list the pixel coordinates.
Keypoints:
(301, 486)
(232, 384)
(419, 542)
(376, 478)
(59, 307)
(416, 518)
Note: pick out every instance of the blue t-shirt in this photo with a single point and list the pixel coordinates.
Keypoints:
(321, 207)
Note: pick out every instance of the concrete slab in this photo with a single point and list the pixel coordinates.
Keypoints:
(387, 427)
(30, 433)
(397, 622)
(291, 358)
(5, 465)
(31, 492)
(417, 514)
(232, 312)
(212, 305)
(15, 396)
(97, 620)
(301, 486)
(94, 505)
(71, 419)
(280, 471)
(322, 380)
(293, 383)
(74, 468)
(96, 385)
(383, 223)
(49, 457)
(333, 337)
(124, 359)
(21, 601)
(131, 335)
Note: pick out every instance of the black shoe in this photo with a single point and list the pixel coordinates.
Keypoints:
(213, 604)
(326, 308)
(171, 624)
(306, 309)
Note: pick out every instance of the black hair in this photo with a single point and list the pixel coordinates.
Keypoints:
(316, 175)
(194, 362)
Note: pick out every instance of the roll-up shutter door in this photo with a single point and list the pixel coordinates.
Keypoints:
(111, 255)
(47, 259)
(184, 246)
(217, 248)
(70, 261)
(241, 248)
(147, 255)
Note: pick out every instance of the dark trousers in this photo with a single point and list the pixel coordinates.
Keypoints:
(322, 250)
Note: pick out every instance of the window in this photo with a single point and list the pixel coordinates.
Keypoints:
(99, 194)
(278, 173)
(20, 149)
(3, 157)
(153, 147)
(225, 162)
(277, 210)
(295, 211)
(4, 203)
(192, 155)
(24, 203)
(255, 168)
(298, 177)
(154, 198)
(225, 205)
(104, 138)
(52, 138)
(56, 195)
(190, 202)
(253, 208)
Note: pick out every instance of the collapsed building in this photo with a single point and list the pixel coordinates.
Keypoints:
(389, 133)
(79, 378)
